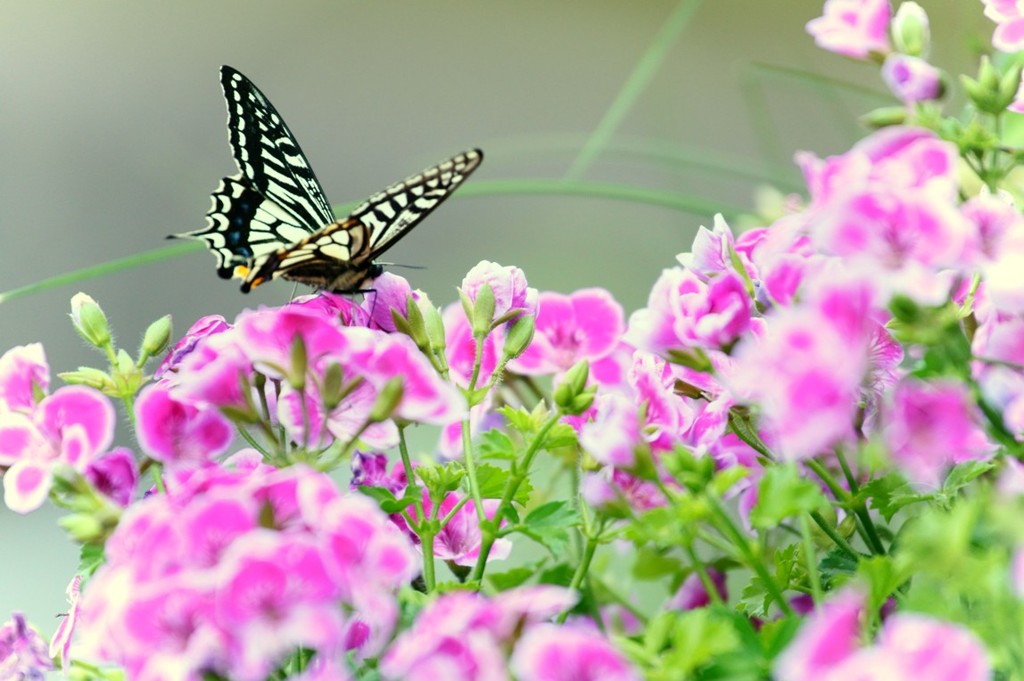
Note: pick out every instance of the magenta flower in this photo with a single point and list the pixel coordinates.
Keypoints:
(930, 426)
(614, 434)
(178, 433)
(334, 307)
(912, 79)
(928, 648)
(460, 348)
(229, 572)
(115, 474)
(60, 645)
(390, 292)
(202, 328)
(693, 594)
(23, 653)
(711, 253)
(453, 637)
(508, 284)
(826, 639)
(586, 324)
(426, 397)
(995, 218)
(1009, 15)
(551, 653)
(686, 312)
(805, 373)
(23, 370)
(71, 426)
(459, 540)
(853, 28)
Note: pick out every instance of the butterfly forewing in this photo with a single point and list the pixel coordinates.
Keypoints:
(268, 155)
(391, 213)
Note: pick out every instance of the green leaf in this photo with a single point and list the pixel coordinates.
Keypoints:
(493, 480)
(387, 501)
(559, 574)
(963, 474)
(836, 568)
(698, 636)
(517, 576)
(782, 493)
(549, 525)
(891, 493)
(653, 563)
(89, 560)
(560, 435)
(495, 444)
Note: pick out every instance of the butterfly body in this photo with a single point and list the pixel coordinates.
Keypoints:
(272, 219)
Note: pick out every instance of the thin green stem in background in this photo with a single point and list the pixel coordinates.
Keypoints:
(539, 187)
(634, 86)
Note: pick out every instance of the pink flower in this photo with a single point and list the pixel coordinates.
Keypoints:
(712, 252)
(931, 426)
(586, 324)
(60, 645)
(508, 284)
(912, 79)
(853, 28)
(229, 572)
(391, 292)
(693, 594)
(1009, 15)
(995, 219)
(459, 540)
(23, 653)
(71, 426)
(452, 638)
(202, 328)
(928, 648)
(460, 348)
(826, 639)
(685, 312)
(613, 436)
(23, 371)
(178, 433)
(805, 373)
(115, 474)
(426, 397)
(547, 652)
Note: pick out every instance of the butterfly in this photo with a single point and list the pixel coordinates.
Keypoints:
(272, 219)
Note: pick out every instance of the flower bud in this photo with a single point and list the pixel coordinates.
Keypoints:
(483, 311)
(519, 336)
(434, 325)
(884, 117)
(910, 31)
(89, 320)
(87, 376)
(157, 336)
(412, 325)
(296, 374)
(571, 395)
(387, 400)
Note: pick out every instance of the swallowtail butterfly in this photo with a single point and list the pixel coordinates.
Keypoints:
(272, 218)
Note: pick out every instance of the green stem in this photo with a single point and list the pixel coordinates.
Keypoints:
(589, 548)
(705, 578)
(642, 75)
(489, 528)
(753, 561)
(809, 553)
(837, 538)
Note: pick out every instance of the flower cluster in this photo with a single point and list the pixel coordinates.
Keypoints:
(808, 439)
(234, 570)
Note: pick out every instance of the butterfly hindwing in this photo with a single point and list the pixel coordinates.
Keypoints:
(340, 257)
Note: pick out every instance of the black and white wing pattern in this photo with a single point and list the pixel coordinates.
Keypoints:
(275, 199)
(272, 219)
(340, 257)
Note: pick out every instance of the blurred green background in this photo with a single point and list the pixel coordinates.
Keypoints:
(112, 136)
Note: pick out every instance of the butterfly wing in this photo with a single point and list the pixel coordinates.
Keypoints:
(341, 256)
(276, 199)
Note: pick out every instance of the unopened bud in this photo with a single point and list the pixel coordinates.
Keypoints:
(157, 336)
(910, 31)
(89, 320)
(519, 336)
(387, 400)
